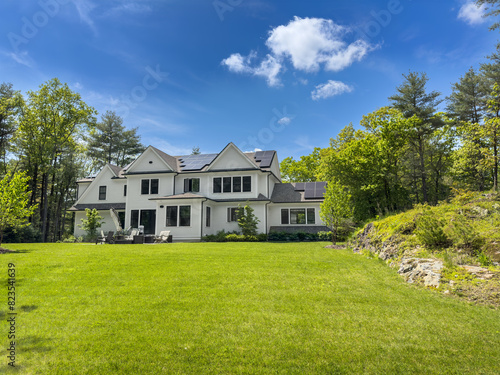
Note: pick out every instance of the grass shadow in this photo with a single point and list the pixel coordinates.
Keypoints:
(35, 344)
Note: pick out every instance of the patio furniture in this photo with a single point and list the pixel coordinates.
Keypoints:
(106, 239)
(163, 237)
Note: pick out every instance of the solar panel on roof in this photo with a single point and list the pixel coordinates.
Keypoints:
(196, 162)
(300, 186)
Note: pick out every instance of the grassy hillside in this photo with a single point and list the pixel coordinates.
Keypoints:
(462, 232)
(230, 308)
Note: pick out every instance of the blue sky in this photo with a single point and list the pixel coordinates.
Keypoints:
(274, 75)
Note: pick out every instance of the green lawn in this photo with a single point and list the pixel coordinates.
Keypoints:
(234, 308)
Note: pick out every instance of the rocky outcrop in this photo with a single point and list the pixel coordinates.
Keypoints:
(424, 271)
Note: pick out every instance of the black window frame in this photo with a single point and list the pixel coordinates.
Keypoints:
(217, 182)
(150, 186)
(102, 192)
(232, 216)
(227, 184)
(247, 184)
(184, 221)
(237, 185)
(192, 185)
(310, 216)
(172, 213)
(208, 217)
(125, 190)
(134, 218)
(285, 214)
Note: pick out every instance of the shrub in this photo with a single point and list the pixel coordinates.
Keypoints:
(277, 236)
(430, 229)
(464, 235)
(22, 235)
(484, 260)
(262, 237)
(235, 237)
(324, 236)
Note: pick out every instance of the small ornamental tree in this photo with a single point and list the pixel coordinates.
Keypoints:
(92, 223)
(336, 208)
(14, 199)
(247, 221)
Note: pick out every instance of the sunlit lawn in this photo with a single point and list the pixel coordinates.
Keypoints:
(234, 308)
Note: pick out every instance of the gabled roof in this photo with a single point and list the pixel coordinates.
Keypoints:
(242, 157)
(170, 160)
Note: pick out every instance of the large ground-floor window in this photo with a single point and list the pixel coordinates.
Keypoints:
(298, 216)
(178, 216)
(146, 218)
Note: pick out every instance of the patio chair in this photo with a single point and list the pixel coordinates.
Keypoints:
(133, 232)
(109, 238)
(162, 237)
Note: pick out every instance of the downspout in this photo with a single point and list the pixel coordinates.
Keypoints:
(201, 226)
(267, 226)
(173, 191)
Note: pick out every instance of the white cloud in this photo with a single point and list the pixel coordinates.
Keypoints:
(268, 68)
(22, 58)
(471, 13)
(329, 89)
(285, 121)
(308, 43)
(129, 8)
(311, 42)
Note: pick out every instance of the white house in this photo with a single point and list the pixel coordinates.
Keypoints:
(195, 195)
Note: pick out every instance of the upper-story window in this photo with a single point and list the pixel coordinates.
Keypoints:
(102, 193)
(235, 184)
(124, 190)
(191, 185)
(149, 186)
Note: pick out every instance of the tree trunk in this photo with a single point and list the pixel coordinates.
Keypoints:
(495, 160)
(422, 169)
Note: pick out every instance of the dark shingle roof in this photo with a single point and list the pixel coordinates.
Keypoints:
(170, 160)
(97, 206)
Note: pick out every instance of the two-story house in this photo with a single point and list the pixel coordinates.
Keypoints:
(195, 195)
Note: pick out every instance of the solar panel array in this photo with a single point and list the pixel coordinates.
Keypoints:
(196, 162)
(265, 158)
(312, 190)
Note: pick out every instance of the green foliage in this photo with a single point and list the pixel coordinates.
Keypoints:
(484, 259)
(27, 234)
(303, 170)
(11, 103)
(336, 209)
(92, 223)
(109, 142)
(464, 235)
(247, 221)
(14, 198)
(430, 229)
(223, 236)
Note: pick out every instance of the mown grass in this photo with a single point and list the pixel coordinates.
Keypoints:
(230, 308)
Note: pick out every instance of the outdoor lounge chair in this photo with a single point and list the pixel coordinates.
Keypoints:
(109, 238)
(162, 237)
(133, 232)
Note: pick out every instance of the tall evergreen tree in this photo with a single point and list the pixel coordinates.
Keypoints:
(492, 10)
(413, 100)
(467, 101)
(10, 107)
(109, 142)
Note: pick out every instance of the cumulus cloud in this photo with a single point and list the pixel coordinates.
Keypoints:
(308, 43)
(331, 88)
(311, 42)
(471, 13)
(268, 68)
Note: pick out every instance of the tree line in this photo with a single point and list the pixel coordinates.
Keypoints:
(52, 138)
(418, 149)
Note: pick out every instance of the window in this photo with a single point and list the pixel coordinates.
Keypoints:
(149, 186)
(184, 216)
(171, 216)
(146, 218)
(121, 218)
(247, 183)
(191, 185)
(284, 216)
(298, 216)
(207, 218)
(217, 185)
(178, 216)
(124, 190)
(134, 219)
(232, 214)
(235, 184)
(102, 193)
(226, 185)
(311, 216)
